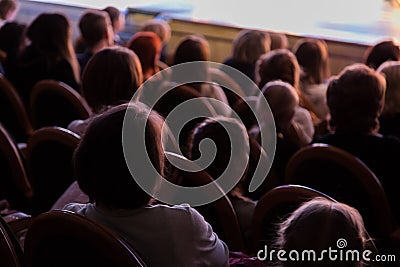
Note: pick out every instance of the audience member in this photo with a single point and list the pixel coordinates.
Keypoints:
(279, 40)
(389, 121)
(8, 10)
(248, 46)
(283, 100)
(96, 33)
(281, 64)
(12, 43)
(386, 50)
(355, 100)
(147, 46)
(215, 129)
(313, 58)
(118, 23)
(195, 48)
(327, 222)
(163, 235)
(163, 31)
(50, 55)
(111, 77)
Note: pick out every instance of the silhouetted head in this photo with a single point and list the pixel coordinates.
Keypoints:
(112, 76)
(355, 99)
(100, 166)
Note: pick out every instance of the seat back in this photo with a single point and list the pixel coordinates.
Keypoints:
(13, 114)
(53, 103)
(344, 177)
(14, 182)
(274, 207)
(49, 158)
(62, 238)
(220, 214)
(10, 250)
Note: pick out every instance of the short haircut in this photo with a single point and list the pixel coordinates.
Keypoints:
(6, 6)
(93, 26)
(112, 76)
(159, 27)
(99, 162)
(355, 99)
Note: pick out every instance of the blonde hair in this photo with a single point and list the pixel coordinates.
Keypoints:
(282, 99)
(391, 72)
(318, 224)
(159, 27)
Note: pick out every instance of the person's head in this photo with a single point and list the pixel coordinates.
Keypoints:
(355, 99)
(96, 30)
(117, 18)
(282, 98)
(12, 37)
(317, 225)
(278, 40)
(112, 76)
(391, 71)
(249, 45)
(99, 162)
(214, 129)
(8, 9)
(50, 33)
(280, 64)
(192, 48)
(312, 56)
(159, 27)
(147, 47)
(386, 50)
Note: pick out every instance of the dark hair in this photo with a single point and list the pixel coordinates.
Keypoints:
(192, 48)
(50, 35)
(100, 167)
(112, 76)
(214, 129)
(12, 37)
(147, 47)
(355, 99)
(312, 56)
(93, 26)
(383, 51)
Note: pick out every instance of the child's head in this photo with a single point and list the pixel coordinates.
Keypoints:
(318, 225)
(99, 161)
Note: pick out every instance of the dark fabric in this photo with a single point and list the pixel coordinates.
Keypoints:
(380, 153)
(34, 66)
(83, 59)
(247, 69)
(390, 125)
(284, 150)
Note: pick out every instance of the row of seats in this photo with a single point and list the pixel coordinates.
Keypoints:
(53, 103)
